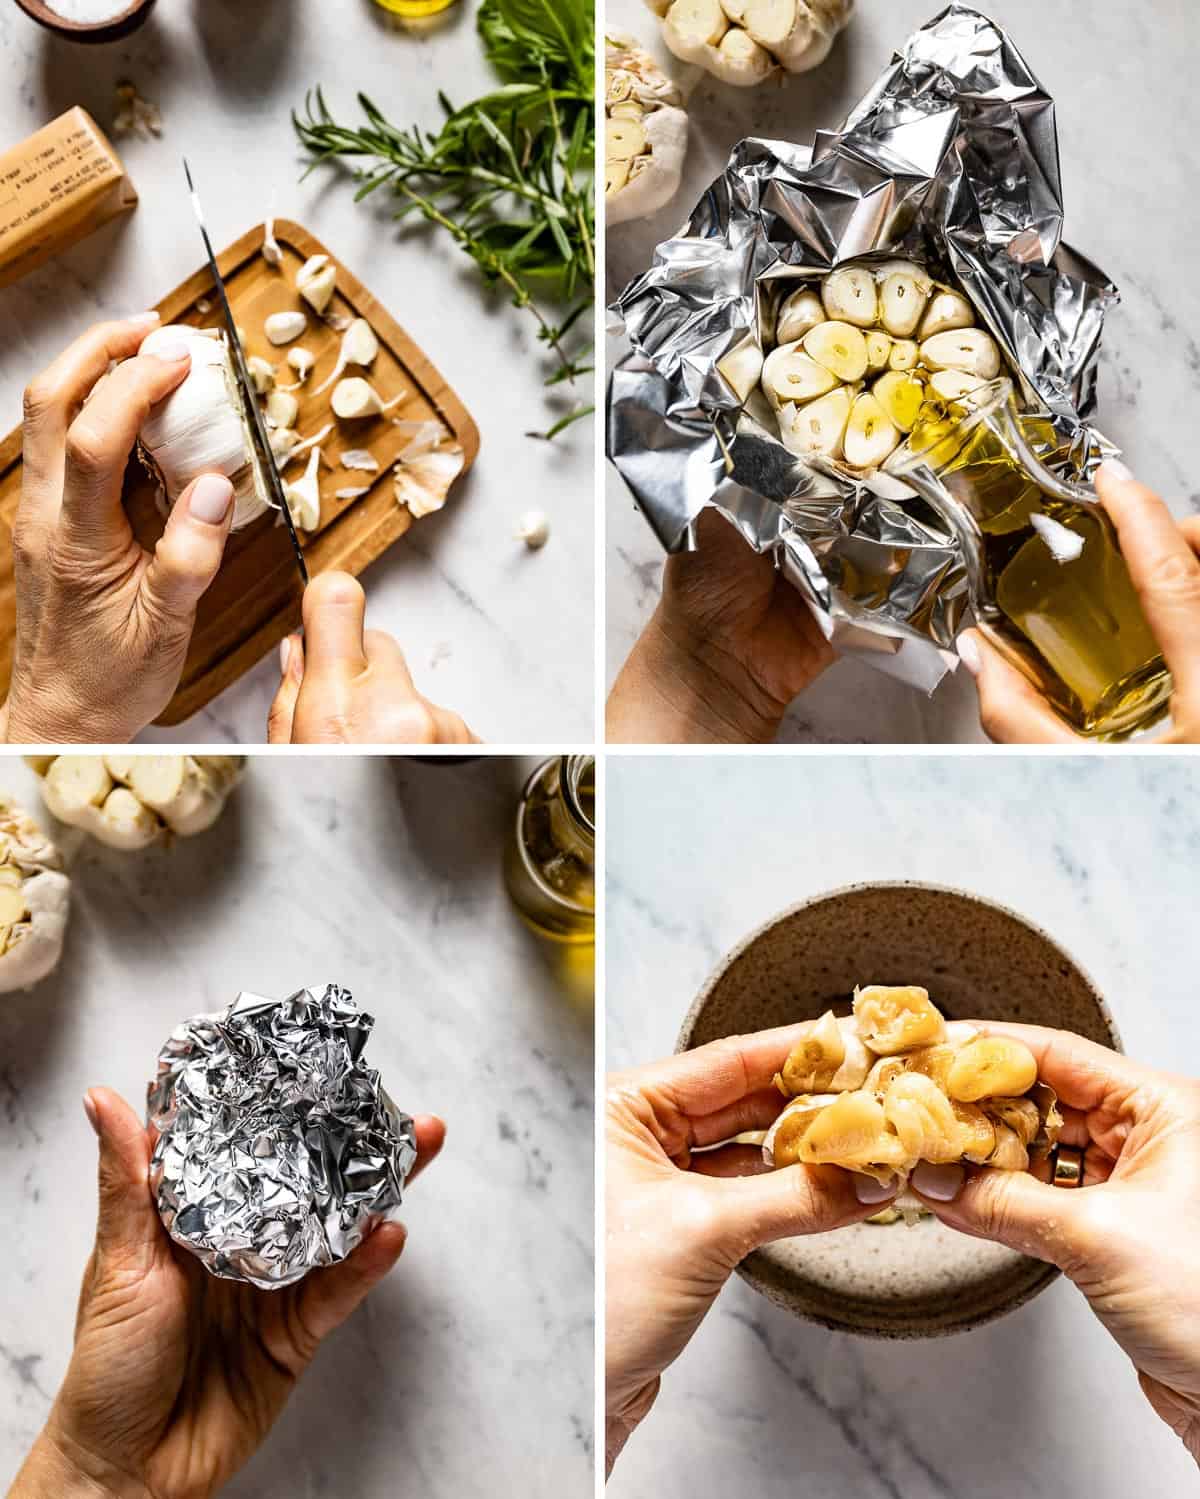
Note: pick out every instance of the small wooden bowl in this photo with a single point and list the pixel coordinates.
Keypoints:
(978, 960)
(88, 31)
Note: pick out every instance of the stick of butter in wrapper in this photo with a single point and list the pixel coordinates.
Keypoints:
(56, 188)
(278, 1149)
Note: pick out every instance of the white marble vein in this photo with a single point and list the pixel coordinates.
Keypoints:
(501, 634)
(476, 1356)
(1103, 855)
(1126, 133)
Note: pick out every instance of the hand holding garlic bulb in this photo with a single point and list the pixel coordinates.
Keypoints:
(744, 41)
(88, 593)
(645, 138)
(856, 355)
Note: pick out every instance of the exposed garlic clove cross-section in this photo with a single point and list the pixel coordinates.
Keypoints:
(34, 900)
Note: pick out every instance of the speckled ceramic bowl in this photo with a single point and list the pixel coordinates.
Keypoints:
(977, 959)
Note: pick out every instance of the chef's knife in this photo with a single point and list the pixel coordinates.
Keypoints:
(254, 420)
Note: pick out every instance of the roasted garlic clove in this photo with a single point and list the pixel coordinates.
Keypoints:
(782, 1144)
(789, 374)
(1009, 1154)
(902, 301)
(977, 1133)
(1020, 1114)
(970, 350)
(798, 312)
(946, 311)
(848, 295)
(897, 1018)
(828, 1057)
(817, 429)
(840, 348)
(923, 1118)
(852, 1132)
(991, 1067)
(870, 437)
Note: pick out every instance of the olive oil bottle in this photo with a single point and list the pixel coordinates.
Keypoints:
(550, 861)
(415, 9)
(1052, 591)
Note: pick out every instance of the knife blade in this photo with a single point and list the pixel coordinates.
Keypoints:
(254, 421)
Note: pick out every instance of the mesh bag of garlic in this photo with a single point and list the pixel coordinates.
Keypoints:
(781, 341)
(895, 1083)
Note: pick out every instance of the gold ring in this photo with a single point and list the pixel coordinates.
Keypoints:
(1067, 1163)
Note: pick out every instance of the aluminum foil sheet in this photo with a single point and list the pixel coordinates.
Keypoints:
(278, 1148)
(951, 159)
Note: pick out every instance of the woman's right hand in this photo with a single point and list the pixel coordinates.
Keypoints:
(341, 683)
(1129, 1236)
(1163, 557)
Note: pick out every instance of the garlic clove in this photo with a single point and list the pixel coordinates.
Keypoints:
(697, 21)
(970, 350)
(789, 374)
(316, 280)
(748, 60)
(879, 349)
(283, 327)
(282, 409)
(261, 372)
(623, 139)
(355, 398)
(954, 385)
(301, 361)
(903, 354)
(840, 347)
(848, 295)
(870, 436)
(616, 175)
(798, 312)
(359, 346)
(818, 428)
(533, 529)
(304, 496)
(900, 397)
(271, 252)
(901, 302)
(947, 310)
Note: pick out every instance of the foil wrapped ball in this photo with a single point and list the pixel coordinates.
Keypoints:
(278, 1149)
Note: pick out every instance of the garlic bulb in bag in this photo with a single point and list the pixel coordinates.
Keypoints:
(200, 427)
(34, 900)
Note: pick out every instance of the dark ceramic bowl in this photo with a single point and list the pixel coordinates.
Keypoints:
(89, 31)
(978, 960)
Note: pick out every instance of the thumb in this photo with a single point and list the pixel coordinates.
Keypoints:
(189, 551)
(795, 1200)
(127, 1219)
(1011, 709)
(335, 609)
(1008, 1207)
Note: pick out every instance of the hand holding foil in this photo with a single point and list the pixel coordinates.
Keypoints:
(177, 1376)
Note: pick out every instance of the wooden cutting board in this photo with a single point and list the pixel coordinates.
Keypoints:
(255, 600)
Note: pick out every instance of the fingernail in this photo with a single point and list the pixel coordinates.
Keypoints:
(285, 651)
(968, 654)
(143, 319)
(211, 499)
(869, 1192)
(942, 1183)
(1113, 468)
(171, 351)
(89, 1108)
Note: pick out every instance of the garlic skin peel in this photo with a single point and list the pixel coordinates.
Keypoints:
(200, 428)
(35, 900)
(646, 131)
(130, 801)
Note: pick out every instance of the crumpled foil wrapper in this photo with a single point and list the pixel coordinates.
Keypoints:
(951, 159)
(278, 1148)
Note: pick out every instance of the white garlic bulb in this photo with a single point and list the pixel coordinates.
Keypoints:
(34, 900)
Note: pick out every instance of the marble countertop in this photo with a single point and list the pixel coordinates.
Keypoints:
(1040, 1403)
(476, 1355)
(501, 634)
(1128, 115)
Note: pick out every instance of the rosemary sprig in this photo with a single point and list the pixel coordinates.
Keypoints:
(508, 176)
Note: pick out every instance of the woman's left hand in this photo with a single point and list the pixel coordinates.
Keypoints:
(103, 625)
(176, 1376)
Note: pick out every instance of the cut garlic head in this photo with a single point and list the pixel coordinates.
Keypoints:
(882, 325)
(645, 138)
(34, 900)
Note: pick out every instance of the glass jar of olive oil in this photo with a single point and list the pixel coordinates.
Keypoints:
(415, 8)
(1049, 586)
(550, 860)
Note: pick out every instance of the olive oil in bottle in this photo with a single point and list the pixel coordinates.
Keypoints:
(415, 9)
(1054, 594)
(549, 864)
